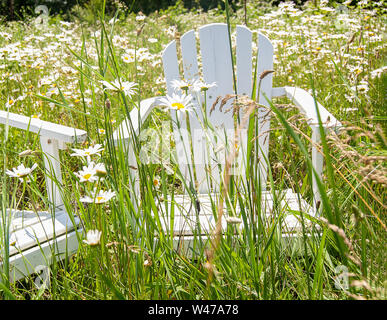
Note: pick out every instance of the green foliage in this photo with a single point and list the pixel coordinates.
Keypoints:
(20, 9)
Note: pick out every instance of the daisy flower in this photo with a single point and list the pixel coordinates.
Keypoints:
(378, 72)
(111, 85)
(100, 170)
(202, 86)
(156, 182)
(21, 171)
(181, 84)
(177, 102)
(93, 237)
(361, 88)
(128, 58)
(93, 150)
(10, 103)
(88, 173)
(101, 197)
(129, 88)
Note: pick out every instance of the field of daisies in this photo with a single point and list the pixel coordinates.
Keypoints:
(89, 74)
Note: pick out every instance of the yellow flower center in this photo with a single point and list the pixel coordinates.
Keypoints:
(10, 101)
(99, 198)
(87, 176)
(178, 105)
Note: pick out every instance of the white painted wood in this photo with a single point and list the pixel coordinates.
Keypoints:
(186, 245)
(43, 128)
(25, 218)
(217, 67)
(33, 234)
(25, 263)
(189, 56)
(244, 60)
(50, 148)
(191, 73)
(307, 105)
(265, 63)
(186, 222)
(123, 137)
(171, 72)
(62, 145)
(264, 87)
(133, 126)
(278, 92)
(35, 237)
(289, 201)
(318, 163)
(244, 55)
(137, 117)
(31, 231)
(171, 66)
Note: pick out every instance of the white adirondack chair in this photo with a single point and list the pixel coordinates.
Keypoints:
(217, 67)
(36, 238)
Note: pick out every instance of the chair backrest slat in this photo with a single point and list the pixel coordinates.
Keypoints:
(265, 63)
(244, 60)
(171, 66)
(217, 67)
(171, 72)
(189, 55)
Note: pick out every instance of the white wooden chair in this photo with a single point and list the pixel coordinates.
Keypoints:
(216, 66)
(36, 238)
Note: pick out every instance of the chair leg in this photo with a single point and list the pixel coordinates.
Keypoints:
(50, 147)
(318, 162)
(133, 175)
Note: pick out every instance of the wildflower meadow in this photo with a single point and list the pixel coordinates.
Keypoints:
(119, 187)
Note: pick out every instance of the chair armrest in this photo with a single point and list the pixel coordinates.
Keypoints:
(137, 117)
(43, 128)
(306, 104)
